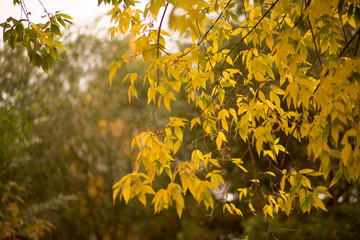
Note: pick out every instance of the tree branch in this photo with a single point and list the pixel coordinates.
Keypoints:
(357, 45)
(158, 70)
(316, 48)
(348, 44)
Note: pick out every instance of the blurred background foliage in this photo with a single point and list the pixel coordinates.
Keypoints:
(65, 139)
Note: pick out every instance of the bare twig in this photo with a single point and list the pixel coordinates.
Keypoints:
(348, 43)
(357, 45)
(253, 164)
(342, 27)
(158, 70)
(315, 45)
(288, 140)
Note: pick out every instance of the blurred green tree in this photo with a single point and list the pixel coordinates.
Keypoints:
(75, 131)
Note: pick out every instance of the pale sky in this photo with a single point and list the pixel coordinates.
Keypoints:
(82, 11)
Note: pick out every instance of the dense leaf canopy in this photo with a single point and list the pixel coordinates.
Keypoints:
(257, 78)
(262, 103)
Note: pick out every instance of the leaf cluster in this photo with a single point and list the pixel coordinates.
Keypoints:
(264, 75)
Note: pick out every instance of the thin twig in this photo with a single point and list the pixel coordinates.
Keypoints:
(218, 18)
(247, 18)
(343, 29)
(204, 36)
(226, 186)
(25, 11)
(211, 65)
(288, 140)
(348, 44)
(159, 34)
(342, 52)
(253, 164)
(357, 45)
(158, 70)
(315, 45)
(47, 13)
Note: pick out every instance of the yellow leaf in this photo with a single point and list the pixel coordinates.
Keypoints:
(177, 146)
(195, 121)
(115, 193)
(252, 209)
(282, 182)
(224, 124)
(277, 90)
(148, 189)
(237, 211)
(233, 114)
(237, 31)
(142, 198)
(319, 203)
(167, 103)
(155, 7)
(126, 193)
(178, 133)
(229, 61)
(228, 208)
(270, 173)
(345, 154)
(220, 138)
(179, 209)
(306, 170)
(62, 47)
(269, 41)
(268, 211)
(112, 75)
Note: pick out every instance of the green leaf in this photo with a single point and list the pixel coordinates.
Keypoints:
(345, 154)
(336, 177)
(55, 29)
